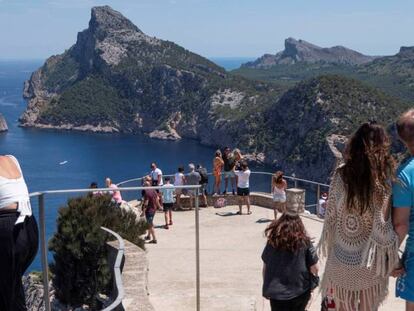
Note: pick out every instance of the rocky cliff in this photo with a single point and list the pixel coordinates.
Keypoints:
(3, 124)
(116, 78)
(300, 51)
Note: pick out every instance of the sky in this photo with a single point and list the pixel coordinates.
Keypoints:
(37, 29)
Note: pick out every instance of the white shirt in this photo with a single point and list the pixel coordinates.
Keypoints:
(15, 191)
(154, 175)
(178, 179)
(243, 178)
(322, 207)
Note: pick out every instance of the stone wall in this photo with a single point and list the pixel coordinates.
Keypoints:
(134, 277)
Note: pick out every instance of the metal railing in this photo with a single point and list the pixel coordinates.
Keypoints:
(43, 243)
(293, 179)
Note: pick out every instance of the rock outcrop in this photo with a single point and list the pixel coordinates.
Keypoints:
(118, 79)
(297, 51)
(33, 289)
(3, 124)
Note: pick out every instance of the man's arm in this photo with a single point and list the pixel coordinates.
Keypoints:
(401, 222)
(144, 205)
(158, 202)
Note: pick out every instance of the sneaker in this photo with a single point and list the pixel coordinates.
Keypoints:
(224, 192)
(234, 192)
(152, 242)
(147, 238)
(215, 194)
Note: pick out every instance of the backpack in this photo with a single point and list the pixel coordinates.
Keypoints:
(203, 173)
(220, 202)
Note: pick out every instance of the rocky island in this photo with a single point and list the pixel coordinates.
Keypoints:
(3, 124)
(115, 78)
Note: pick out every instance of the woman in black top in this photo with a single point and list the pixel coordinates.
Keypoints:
(289, 258)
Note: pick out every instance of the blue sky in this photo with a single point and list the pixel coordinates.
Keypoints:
(32, 29)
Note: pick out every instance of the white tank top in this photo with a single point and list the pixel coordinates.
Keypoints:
(14, 190)
(279, 191)
(178, 179)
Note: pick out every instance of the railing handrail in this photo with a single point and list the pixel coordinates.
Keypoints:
(293, 178)
(85, 190)
(117, 271)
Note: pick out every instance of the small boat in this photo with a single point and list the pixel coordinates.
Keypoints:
(63, 162)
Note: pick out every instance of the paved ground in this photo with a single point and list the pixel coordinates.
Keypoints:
(230, 262)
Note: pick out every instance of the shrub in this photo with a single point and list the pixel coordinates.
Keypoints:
(80, 269)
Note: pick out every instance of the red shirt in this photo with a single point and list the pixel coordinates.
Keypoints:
(151, 196)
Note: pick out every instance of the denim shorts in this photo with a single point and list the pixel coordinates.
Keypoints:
(404, 287)
(229, 174)
(280, 198)
(150, 218)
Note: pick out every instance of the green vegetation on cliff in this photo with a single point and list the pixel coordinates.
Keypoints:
(393, 75)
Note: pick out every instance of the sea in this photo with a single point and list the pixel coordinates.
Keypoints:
(53, 159)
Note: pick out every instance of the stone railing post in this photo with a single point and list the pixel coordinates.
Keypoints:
(295, 199)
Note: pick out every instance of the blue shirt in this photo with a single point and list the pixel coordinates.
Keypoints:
(403, 195)
(168, 193)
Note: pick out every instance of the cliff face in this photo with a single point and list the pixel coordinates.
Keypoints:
(297, 51)
(116, 78)
(3, 124)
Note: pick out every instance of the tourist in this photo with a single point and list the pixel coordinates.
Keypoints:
(116, 194)
(193, 178)
(204, 184)
(94, 185)
(238, 158)
(403, 221)
(357, 239)
(279, 186)
(243, 190)
(229, 164)
(150, 204)
(18, 234)
(290, 264)
(167, 191)
(218, 164)
(322, 205)
(179, 180)
(156, 175)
